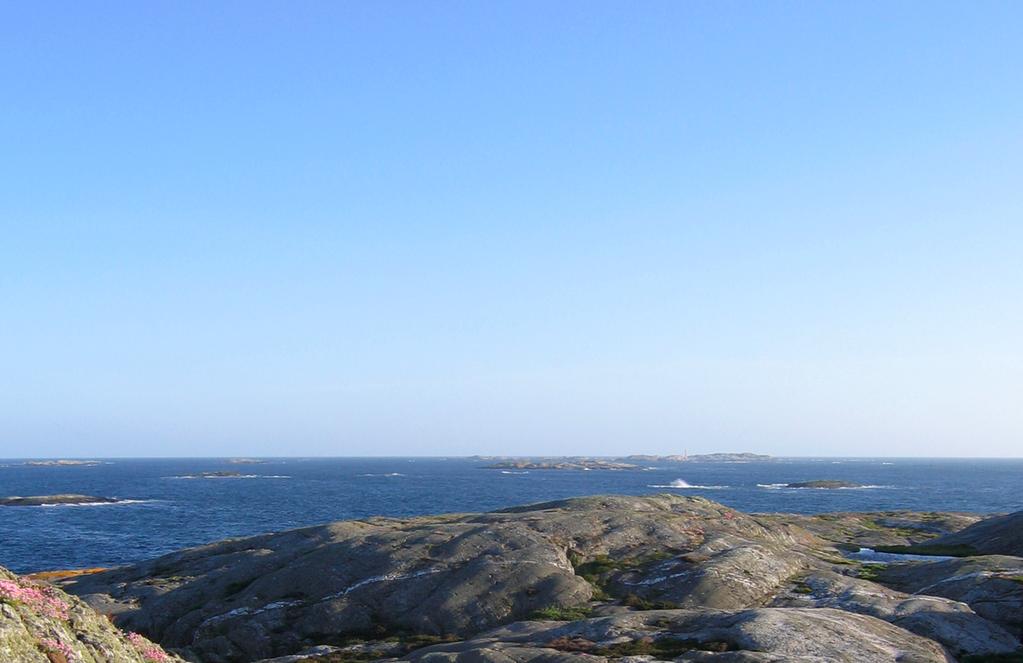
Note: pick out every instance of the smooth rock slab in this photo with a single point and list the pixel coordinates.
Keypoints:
(726, 573)
(949, 622)
(1001, 535)
(878, 528)
(764, 634)
(992, 585)
(274, 595)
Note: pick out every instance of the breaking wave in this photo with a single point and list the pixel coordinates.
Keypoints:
(81, 504)
(680, 483)
(234, 476)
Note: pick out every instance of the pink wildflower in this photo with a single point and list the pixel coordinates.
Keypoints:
(56, 646)
(147, 649)
(41, 599)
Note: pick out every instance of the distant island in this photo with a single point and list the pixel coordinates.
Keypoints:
(219, 474)
(824, 484)
(61, 463)
(743, 457)
(614, 463)
(566, 464)
(52, 500)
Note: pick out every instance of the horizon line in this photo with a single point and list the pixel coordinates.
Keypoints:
(484, 455)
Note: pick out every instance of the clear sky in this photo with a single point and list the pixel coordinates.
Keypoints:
(297, 228)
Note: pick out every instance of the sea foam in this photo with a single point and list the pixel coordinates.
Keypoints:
(682, 484)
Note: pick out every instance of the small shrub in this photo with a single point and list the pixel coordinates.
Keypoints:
(559, 614)
(597, 567)
(640, 603)
(870, 571)
(800, 587)
(567, 644)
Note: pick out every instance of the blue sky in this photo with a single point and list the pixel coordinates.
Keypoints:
(531, 227)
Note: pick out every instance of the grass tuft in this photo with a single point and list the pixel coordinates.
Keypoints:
(870, 571)
(559, 614)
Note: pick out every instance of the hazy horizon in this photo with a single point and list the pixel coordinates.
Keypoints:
(511, 229)
(469, 456)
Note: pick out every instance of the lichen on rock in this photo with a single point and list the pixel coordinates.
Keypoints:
(41, 624)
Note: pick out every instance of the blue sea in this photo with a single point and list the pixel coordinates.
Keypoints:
(163, 511)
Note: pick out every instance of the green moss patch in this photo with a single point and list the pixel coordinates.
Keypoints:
(597, 569)
(800, 587)
(640, 603)
(870, 571)
(559, 614)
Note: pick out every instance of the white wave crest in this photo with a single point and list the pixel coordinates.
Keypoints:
(238, 476)
(680, 483)
(81, 504)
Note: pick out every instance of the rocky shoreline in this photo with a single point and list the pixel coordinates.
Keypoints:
(603, 578)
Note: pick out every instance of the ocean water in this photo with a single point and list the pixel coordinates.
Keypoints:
(163, 512)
